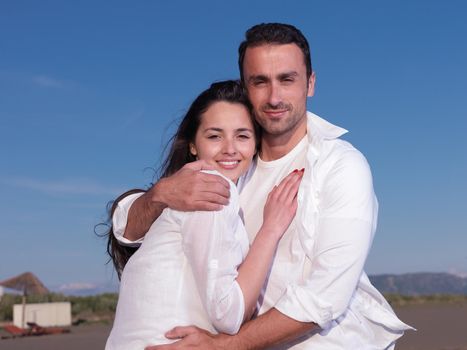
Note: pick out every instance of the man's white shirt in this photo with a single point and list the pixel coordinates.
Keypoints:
(317, 274)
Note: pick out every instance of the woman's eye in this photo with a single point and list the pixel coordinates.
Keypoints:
(244, 137)
(213, 137)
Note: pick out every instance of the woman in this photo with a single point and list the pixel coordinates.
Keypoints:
(193, 268)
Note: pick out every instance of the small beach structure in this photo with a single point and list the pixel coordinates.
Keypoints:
(28, 284)
(42, 314)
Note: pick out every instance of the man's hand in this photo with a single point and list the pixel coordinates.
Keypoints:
(265, 331)
(186, 190)
(192, 337)
(189, 189)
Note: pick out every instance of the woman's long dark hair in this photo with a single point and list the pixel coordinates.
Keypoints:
(179, 153)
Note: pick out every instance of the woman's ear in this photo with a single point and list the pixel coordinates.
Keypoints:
(193, 149)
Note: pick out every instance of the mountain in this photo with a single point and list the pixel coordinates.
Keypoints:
(86, 289)
(420, 283)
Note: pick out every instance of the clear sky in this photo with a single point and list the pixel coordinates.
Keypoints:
(90, 92)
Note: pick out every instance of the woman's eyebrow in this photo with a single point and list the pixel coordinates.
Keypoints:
(213, 129)
(244, 129)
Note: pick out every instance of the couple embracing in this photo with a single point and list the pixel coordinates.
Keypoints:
(256, 235)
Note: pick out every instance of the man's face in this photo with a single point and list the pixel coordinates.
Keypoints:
(277, 85)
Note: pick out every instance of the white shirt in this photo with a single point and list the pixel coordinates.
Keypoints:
(184, 273)
(317, 274)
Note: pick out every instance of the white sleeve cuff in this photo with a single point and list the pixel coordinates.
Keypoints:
(120, 219)
(301, 305)
(229, 311)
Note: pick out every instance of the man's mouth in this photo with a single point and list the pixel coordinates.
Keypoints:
(275, 112)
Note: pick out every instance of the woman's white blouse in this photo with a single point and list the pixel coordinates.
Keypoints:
(184, 273)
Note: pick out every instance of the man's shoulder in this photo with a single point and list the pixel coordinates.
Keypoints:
(336, 149)
(339, 155)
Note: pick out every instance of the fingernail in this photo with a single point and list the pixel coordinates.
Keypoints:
(295, 171)
(302, 170)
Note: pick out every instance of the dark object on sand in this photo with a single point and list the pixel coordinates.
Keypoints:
(34, 329)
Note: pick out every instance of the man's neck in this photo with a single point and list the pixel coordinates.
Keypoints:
(276, 146)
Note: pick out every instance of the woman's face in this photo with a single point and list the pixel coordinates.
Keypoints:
(225, 139)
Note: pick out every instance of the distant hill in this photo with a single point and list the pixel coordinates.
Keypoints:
(410, 284)
(85, 289)
(420, 284)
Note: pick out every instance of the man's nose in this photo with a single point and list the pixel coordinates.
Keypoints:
(274, 97)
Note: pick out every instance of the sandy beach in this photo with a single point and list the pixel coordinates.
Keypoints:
(440, 327)
(83, 337)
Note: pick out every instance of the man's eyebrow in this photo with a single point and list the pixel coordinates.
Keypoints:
(259, 77)
(291, 74)
(280, 76)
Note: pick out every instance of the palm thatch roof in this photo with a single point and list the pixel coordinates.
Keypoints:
(27, 283)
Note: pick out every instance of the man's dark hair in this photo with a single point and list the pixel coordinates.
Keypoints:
(276, 34)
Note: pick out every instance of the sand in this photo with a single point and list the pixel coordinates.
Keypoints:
(440, 327)
(83, 337)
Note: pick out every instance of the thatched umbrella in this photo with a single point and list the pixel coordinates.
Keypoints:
(27, 283)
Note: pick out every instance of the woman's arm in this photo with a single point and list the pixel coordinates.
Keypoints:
(279, 211)
(214, 253)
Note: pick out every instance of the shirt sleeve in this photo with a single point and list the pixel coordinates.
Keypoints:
(120, 219)
(343, 233)
(212, 242)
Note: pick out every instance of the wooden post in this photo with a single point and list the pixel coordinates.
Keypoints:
(23, 319)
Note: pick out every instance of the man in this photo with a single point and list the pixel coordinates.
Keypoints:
(317, 295)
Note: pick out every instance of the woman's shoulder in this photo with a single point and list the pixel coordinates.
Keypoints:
(233, 207)
(233, 186)
(229, 210)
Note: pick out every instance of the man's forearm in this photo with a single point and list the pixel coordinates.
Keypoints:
(143, 212)
(271, 328)
(188, 189)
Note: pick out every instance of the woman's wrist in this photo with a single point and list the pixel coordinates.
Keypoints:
(268, 235)
(271, 231)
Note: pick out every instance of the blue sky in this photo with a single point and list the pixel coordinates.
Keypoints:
(90, 92)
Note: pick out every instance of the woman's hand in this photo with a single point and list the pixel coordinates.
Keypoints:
(281, 205)
(279, 211)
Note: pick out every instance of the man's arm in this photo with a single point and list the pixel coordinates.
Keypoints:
(271, 328)
(187, 190)
(338, 251)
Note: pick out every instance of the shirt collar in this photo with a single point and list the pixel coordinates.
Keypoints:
(319, 129)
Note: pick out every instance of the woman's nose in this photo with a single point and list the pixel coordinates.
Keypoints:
(229, 147)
